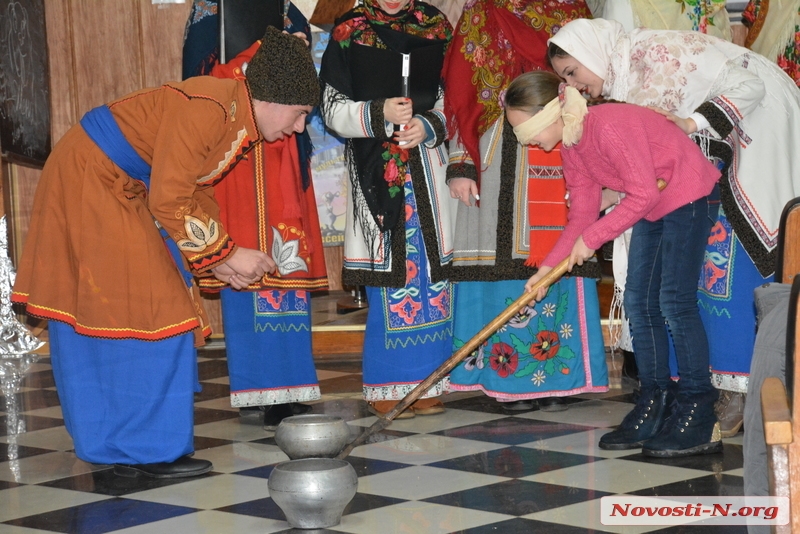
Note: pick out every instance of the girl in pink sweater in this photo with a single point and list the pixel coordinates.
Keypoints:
(628, 149)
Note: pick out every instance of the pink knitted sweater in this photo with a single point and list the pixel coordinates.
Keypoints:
(627, 148)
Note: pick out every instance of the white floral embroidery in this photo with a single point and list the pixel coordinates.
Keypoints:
(198, 234)
(549, 309)
(538, 377)
(566, 331)
(285, 254)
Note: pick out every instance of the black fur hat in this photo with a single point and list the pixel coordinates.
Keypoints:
(282, 71)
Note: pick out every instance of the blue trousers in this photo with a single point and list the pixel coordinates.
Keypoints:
(125, 401)
(663, 268)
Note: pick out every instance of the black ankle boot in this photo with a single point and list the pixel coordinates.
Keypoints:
(692, 428)
(274, 414)
(642, 423)
(629, 368)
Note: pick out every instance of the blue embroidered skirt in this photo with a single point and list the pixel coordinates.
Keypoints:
(725, 296)
(409, 329)
(268, 344)
(552, 349)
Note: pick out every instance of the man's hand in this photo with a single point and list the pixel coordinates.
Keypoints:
(245, 266)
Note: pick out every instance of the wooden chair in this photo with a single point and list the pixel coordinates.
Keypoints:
(779, 407)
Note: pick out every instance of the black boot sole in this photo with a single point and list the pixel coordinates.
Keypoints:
(705, 448)
(620, 446)
(133, 472)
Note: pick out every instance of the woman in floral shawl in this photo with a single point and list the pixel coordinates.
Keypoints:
(555, 349)
(399, 238)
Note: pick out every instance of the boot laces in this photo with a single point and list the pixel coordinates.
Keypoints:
(682, 415)
(641, 412)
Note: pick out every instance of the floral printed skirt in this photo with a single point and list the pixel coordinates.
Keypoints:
(552, 349)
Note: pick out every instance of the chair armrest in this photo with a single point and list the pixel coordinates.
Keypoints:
(775, 410)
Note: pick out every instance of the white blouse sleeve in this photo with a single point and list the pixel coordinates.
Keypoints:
(735, 93)
(353, 119)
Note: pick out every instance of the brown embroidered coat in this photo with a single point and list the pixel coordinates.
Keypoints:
(94, 257)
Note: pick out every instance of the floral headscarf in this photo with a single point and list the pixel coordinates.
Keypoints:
(496, 41)
(378, 166)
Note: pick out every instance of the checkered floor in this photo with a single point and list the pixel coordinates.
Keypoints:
(475, 469)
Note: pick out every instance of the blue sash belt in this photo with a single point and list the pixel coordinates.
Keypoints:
(102, 128)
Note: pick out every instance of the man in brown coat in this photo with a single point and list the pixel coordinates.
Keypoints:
(124, 220)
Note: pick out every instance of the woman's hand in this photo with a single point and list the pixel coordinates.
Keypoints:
(542, 292)
(245, 266)
(398, 110)
(413, 134)
(462, 189)
(580, 253)
(610, 198)
(687, 125)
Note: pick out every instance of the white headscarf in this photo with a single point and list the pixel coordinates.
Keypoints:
(590, 41)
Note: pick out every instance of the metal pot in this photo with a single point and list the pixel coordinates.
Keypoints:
(312, 436)
(313, 492)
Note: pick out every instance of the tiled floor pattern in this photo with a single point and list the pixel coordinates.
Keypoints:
(476, 469)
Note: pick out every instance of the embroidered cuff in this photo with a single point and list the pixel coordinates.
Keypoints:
(434, 126)
(213, 256)
(376, 120)
(461, 170)
(717, 119)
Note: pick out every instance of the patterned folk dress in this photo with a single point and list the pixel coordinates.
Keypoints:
(554, 348)
(399, 237)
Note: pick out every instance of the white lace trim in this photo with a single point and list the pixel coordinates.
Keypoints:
(268, 397)
(398, 391)
(618, 328)
(730, 382)
(619, 332)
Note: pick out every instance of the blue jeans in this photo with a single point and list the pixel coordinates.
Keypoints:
(664, 265)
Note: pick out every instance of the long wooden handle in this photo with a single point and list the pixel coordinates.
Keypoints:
(468, 348)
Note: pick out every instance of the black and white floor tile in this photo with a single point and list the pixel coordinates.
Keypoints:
(476, 469)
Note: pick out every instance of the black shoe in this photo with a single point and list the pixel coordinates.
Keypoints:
(691, 429)
(183, 467)
(273, 415)
(518, 405)
(629, 368)
(642, 423)
(552, 404)
(252, 415)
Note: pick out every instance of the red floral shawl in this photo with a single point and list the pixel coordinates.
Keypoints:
(496, 41)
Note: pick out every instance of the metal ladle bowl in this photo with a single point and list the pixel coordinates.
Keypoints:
(312, 436)
(313, 492)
